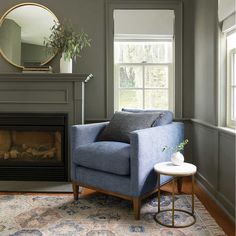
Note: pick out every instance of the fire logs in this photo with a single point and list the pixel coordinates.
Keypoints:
(5, 140)
(17, 145)
(32, 139)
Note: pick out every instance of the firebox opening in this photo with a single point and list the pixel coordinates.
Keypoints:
(30, 145)
(34, 147)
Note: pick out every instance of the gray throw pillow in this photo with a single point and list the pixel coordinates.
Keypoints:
(122, 123)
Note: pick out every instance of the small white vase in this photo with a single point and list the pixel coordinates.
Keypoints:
(65, 65)
(177, 158)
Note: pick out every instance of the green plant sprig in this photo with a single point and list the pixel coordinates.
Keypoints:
(64, 39)
(177, 148)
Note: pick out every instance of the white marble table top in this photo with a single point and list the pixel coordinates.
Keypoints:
(168, 168)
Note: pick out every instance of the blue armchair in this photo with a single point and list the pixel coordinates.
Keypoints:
(121, 169)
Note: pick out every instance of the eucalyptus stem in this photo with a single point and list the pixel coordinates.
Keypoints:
(177, 148)
(64, 39)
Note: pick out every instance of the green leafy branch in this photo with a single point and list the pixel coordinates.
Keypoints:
(64, 39)
(177, 148)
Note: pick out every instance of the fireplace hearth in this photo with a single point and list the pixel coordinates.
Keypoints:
(33, 147)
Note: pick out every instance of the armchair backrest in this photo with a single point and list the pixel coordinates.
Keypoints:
(165, 118)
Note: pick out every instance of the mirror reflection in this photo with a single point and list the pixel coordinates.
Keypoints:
(22, 34)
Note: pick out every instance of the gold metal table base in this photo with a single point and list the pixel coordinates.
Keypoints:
(173, 206)
(173, 225)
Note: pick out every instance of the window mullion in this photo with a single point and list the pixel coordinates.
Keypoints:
(141, 64)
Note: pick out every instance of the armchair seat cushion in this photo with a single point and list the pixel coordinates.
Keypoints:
(108, 156)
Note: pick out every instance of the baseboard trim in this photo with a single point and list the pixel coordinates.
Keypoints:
(206, 184)
(225, 201)
(216, 196)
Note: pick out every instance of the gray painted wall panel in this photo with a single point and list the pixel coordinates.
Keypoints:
(33, 96)
(205, 153)
(188, 150)
(214, 155)
(204, 60)
(227, 166)
(35, 92)
(188, 59)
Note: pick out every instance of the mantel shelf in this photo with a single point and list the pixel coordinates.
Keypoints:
(45, 77)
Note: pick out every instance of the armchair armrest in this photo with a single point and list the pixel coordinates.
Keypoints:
(81, 135)
(85, 134)
(146, 151)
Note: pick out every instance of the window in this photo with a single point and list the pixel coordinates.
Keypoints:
(231, 80)
(139, 37)
(143, 73)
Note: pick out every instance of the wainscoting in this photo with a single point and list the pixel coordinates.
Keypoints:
(214, 155)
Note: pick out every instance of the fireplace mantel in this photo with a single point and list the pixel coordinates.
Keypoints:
(39, 93)
(44, 92)
(45, 77)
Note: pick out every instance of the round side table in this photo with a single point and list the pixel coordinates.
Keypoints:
(168, 168)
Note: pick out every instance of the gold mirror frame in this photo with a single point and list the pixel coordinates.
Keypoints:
(17, 6)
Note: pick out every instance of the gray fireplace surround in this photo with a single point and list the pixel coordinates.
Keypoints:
(42, 93)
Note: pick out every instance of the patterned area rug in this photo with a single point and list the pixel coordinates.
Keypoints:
(96, 215)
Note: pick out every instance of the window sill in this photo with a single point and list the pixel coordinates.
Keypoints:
(228, 130)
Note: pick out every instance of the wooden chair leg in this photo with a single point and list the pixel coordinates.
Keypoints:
(75, 188)
(136, 207)
(179, 184)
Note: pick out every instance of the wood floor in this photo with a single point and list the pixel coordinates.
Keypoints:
(220, 217)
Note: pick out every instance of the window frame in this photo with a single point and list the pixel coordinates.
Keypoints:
(177, 7)
(170, 87)
(230, 86)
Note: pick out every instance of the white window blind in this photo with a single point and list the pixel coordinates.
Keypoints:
(227, 14)
(143, 22)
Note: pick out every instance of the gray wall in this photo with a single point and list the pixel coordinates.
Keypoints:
(205, 65)
(10, 40)
(188, 59)
(90, 15)
(214, 148)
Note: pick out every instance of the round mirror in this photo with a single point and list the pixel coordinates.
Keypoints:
(23, 30)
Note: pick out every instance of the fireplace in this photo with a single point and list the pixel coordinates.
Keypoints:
(33, 147)
(26, 101)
